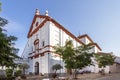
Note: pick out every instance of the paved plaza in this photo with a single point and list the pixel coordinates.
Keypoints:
(92, 76)
(115, 76)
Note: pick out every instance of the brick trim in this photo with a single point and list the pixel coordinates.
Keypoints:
(85, 35)
(47, 18)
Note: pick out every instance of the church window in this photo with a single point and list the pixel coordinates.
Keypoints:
(36, 45)
(43, 43)
(37, 68)
(36, 36)
(32, 48)
(37, 48)
(36, 24)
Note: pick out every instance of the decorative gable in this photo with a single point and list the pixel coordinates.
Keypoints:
(37, 21)
(86, 40)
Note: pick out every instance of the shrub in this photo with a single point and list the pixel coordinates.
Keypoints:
(18, 73)
(30, 73)
(9, 72)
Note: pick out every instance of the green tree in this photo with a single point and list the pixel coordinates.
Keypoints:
(82, 58)
(23, 67)
(67, 53)
(7, 50)
(75, 58)
(9, 72)
(18, 73)
(104, 59)
(55, 68)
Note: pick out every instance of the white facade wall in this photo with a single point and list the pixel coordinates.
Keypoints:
(96, 49)
(39, 21)
(85, 40)
(59, 37)
(51, 35)
(91, 68)
(43, 64)
(43, 35)
(27, 50)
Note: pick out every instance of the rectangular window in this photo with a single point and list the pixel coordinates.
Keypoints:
(37, 48)
(43, 43)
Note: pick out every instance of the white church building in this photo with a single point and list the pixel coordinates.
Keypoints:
(44, 33)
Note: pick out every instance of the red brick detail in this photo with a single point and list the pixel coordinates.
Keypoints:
(32, 25)
(97, 46)
(66, 31)
(41, 25)
(41, 54)
(46, 46)
(36, 41)
(50, 46)
(85, 35)
(47, 18)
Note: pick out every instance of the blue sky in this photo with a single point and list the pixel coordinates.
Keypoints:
(100, 19)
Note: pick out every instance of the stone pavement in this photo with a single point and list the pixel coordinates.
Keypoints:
(92, 76)
(113, 76)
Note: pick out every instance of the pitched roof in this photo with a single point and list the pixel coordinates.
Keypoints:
(117, 60)
(97, 46)
(85, 35)
(47, 18)
(105, 53)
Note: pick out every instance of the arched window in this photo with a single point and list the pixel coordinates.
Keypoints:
(36, 24)
(37, 68)
(36, 45)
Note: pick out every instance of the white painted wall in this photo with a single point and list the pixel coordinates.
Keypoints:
(39, 20)
(43, 35)
(51, 35)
